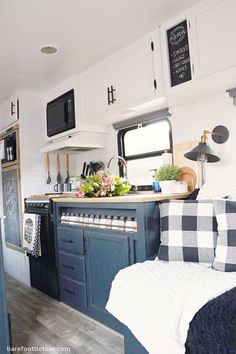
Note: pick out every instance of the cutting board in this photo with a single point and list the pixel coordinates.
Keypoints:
(178, 156)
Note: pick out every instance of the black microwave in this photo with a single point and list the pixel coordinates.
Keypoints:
(61, 114)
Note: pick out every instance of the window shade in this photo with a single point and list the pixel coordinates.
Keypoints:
(164, 113)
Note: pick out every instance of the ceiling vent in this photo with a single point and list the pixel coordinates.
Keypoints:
(48, 49)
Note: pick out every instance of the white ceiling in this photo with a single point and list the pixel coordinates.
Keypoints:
(84, 30)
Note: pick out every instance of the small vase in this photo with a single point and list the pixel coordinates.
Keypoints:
(167, 186)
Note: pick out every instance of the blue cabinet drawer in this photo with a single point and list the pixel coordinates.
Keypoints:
(73, 293)
(71, 266)
(70, 240)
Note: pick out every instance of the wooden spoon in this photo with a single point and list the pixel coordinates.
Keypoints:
(67, 180)
(59, 179)
(49, 180)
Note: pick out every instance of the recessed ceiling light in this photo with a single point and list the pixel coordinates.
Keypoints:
(48, 49)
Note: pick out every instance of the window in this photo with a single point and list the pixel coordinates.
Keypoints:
(142, 146)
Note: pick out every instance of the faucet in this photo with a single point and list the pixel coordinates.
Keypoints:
(117, 157)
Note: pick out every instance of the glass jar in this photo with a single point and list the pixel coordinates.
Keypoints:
(108, 222)
(86, 220)
(96, 221)
(91, 220)
(115, 225)
(131, 224)
(81, 219)
(122, 223)
(103, 222)
(63, 217)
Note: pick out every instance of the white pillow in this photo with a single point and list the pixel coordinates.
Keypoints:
(217, 189)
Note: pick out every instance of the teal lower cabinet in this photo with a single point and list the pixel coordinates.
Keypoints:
(90, 255)
(106, 254)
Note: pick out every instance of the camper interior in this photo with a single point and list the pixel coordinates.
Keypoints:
(117, 188)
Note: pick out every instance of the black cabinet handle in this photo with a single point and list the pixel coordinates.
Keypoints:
(69, 291)
(66, 241)
(108, 96)
(12, 108)
(18, 109)
(112, 94)
(68, 266)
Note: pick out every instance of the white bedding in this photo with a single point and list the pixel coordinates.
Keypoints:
(157, 300)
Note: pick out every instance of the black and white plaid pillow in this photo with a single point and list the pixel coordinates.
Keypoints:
(188, 231)
(225, 259)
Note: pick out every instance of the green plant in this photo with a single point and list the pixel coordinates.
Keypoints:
(102, 184)
(167, 173)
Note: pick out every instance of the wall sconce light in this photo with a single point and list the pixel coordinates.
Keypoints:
(203, 153)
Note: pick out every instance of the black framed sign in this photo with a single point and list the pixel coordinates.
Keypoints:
(11, 205)
(179, 55)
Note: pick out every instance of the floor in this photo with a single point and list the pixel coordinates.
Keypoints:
(37, 321)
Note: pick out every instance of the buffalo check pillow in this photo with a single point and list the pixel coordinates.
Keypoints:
(188, 231)
(225, 259)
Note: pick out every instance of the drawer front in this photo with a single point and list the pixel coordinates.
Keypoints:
(70, 240)
(71, 266)
(72, 293)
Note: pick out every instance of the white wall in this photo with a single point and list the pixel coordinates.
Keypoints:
(100, 154)
(188, 121)
(33, 174)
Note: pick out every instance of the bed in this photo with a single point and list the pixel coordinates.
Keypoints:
(157, 300)
(176, 306)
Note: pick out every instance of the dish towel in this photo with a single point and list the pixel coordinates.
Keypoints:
(31, 234)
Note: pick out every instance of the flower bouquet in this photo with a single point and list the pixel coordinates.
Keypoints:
(102, 184)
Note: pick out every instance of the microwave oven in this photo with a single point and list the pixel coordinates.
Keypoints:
(61, 114)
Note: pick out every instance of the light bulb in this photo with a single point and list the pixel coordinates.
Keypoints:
(202, 157)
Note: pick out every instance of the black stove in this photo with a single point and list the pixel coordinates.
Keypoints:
(43, 270)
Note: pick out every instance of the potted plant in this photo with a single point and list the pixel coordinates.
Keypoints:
(167, 175)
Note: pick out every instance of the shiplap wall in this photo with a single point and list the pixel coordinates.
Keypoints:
(188, 120)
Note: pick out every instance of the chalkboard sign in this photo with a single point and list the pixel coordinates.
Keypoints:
(179, 56)
(11, 209)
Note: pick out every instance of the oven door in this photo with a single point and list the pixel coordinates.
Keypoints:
(46, 236)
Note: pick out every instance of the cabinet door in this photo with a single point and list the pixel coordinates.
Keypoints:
(214, 28)
(9, 113)
(134, 73)
(95, 83)
(106, 254)
(4, 329)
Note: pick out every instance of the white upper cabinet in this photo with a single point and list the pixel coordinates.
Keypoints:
(134, 73)
(123, 80)
(214, 26)
(9, 112)
(96, 90)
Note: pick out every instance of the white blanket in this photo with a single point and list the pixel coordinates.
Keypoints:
(157, 300)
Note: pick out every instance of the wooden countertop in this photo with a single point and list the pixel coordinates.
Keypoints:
(128, 198)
